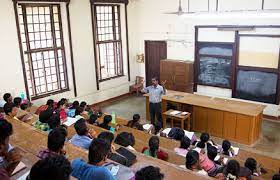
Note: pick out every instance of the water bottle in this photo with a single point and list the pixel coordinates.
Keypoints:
(113, 117)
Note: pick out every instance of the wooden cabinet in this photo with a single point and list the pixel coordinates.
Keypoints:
(178, 75)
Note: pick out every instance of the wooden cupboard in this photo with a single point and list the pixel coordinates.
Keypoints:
(178, 75)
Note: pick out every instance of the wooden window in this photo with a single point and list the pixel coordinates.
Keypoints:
(108, 41)
(42, 43)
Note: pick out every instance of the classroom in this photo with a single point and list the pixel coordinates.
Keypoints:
(139, 89)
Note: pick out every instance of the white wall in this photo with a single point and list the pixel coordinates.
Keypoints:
(153, 24)
(82, 40)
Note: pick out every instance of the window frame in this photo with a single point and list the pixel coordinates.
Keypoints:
(54, 48)
(97, 58)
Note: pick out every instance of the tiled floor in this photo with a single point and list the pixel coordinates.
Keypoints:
(268, 145)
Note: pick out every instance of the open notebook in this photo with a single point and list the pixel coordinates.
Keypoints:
(19, 168)
(70, 121)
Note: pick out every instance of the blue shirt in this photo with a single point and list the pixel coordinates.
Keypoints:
(85, 171)
(155, 93)
(81, 141)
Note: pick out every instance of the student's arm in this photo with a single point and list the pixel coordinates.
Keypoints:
(145, 89)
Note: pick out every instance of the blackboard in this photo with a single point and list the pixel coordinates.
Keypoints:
(256, 86)
(214, 71)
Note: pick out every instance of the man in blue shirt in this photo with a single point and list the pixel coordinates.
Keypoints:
(155, 92)
(97, 156)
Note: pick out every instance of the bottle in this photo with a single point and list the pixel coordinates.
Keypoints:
(113, 117)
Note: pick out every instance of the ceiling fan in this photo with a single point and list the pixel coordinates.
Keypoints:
(180, 10)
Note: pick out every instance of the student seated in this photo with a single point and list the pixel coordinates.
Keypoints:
(93, 120)
(54, 168)
(134, 123)
(44, 121)
(75, 105)
(9, 156)
(205, 141)
(8, 98)
(212, 153)
(252, 165)
(153, 150)
(50, 104)
(84, 136)
(61, 109)
(71, 111)
(149, 173)
(17, 102)
(106, 121)
(184, 146)
(78, 113)
(97, 157)
(192, 162)
(11, 111)
(226, 148)
(125, 139)
(56, 140)
(109, 137)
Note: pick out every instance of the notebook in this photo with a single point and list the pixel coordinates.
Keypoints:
(24, 176)
(19, 167)
(70, 121)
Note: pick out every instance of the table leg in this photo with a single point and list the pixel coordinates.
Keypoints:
(189, 123)
(182, 124)
(164, 121)
(172, 125)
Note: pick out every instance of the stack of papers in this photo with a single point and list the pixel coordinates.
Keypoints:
(218, 157)
(175, 112)
(147, 126)
(70, 121)
(235, 150)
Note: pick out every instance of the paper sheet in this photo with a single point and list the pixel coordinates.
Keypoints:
(236, 150)
(23, 177)
(147, 126)
(175, 112)
(19, 167)
(187, 133)
(70, 121)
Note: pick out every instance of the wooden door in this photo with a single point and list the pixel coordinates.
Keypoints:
(154, 52)
(167, 73)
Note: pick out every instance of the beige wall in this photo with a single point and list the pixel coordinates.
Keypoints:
(178, 31)
(82, 39)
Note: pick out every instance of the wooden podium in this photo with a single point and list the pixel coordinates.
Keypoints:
(228, 119)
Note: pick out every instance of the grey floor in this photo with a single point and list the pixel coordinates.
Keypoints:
(269, 143)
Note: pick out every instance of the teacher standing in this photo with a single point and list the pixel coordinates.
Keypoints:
(155, 92)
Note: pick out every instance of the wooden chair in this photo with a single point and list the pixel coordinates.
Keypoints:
(137, 86)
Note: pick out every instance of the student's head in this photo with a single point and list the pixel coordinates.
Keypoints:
(125, 139)
(276, 177)
(81, 127)
(55, 168)
(6, 130)
(107, 136)
(136, 117)
(83, 104)
(251, 164)
(226, 146)
(56, 140)
(154, 81)
(50, 103)
(98, 152)
(154, 145)
(232, 170)
(79, 111)
(180, 134)
(8, 97)
(45, 116)
(107, 119)
(62, 103)
(149, 173)
(204, 137)
(212, 152)
(192, 160)
(17, 101)
(10, 109)
(54, 121)
(185, 143)
(75, 104)
(23, 106)
(92, 119)
(200, 144)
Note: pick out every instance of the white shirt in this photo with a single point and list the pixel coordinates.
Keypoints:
(155, 93)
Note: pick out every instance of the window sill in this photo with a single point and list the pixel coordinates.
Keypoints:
(115, 77)
(49, 94)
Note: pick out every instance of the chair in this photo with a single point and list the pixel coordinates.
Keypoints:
(137, 86)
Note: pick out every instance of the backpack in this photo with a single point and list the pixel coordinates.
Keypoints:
(123, 156)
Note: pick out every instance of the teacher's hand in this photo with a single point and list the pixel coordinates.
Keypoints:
(163, 83)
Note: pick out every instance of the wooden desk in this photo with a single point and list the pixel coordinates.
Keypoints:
(181, 118)
(234, 120)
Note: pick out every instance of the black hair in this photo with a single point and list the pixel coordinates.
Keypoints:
(54, 121)
(99, 149)
(17, 101)
(83, 104)
(55, 168)
(107, 119)
(125, 139)
(226, 146)
(78, 111)
(81, 127)
(45, 116)
(200, 144)
(155, 78)
(204, 137)
(154, 145)
(107, 136)
(180, 133)
(134, 120)
(185, 142)
(212, 152)
(56, 140)
(50, 103)
(6, 96)
(8, 108)
(149, 173)
(61, 102)
(192, 158)
(6, 130)
(251, 164)
(276, 177)
(92, 118)
(232, 168)
(75, 105)
(136, 117)
(23, 106)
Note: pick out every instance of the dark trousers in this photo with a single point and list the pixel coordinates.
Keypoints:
(155, 110)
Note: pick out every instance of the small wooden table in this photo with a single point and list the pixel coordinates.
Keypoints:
(180, 117)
